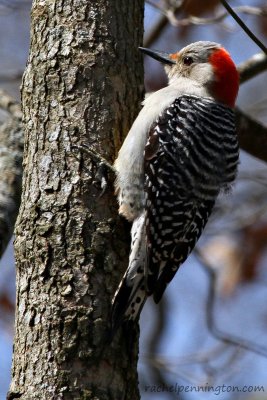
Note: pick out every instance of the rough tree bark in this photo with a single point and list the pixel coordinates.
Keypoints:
(82, 84)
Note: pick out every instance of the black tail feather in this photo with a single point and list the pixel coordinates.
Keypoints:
(119, 306)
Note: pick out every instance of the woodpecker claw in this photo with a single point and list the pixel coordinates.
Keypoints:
(95, 156)
(102, 167)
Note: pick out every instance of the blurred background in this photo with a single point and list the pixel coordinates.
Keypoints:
(208, 336)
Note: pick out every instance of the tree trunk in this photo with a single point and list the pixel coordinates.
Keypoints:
(82, 84)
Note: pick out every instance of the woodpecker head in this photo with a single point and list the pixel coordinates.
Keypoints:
(206, 63)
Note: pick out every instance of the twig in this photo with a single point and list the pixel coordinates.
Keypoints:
(252, 67)
(243, 26)
(245, 126)
(161, 23)
(217, 333)
(170, 15)
(156, 30)
(155, 5)
(158, 329)
(193, 20)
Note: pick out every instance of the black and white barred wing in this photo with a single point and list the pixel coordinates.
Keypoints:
(191, 154)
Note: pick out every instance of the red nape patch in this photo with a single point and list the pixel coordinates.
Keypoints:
(226, 86)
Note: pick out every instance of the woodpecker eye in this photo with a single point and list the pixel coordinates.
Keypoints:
(188, 60)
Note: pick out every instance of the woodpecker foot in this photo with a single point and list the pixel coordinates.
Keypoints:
(103, 166)
(95, 156)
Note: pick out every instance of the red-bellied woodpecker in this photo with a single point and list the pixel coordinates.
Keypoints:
(181, 151)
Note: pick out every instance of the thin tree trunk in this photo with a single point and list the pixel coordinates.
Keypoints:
(82, 84)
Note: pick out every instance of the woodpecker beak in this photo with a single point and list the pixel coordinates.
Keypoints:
(165, 58)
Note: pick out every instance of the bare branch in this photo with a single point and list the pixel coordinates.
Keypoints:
(162, 22)
(155, 31)
(244, 26)
(193, 20)
(224, 336)
(248, 128)
(175, 365)
(170, 14)
(252, 67)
